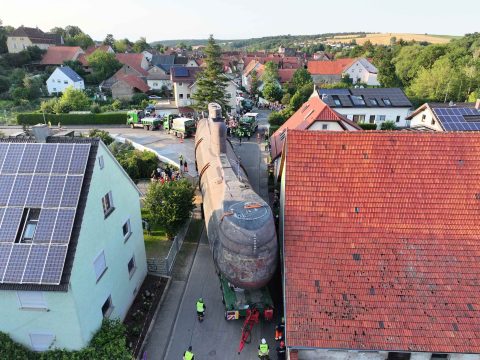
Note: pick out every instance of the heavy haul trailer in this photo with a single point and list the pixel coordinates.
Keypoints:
(240, 226)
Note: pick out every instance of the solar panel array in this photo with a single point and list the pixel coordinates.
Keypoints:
(396, 97)
(452, 119)
(181, 72)
(47, 177)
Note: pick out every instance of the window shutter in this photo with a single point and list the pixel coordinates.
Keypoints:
(32, 299)
(41, 342)
(100, 264)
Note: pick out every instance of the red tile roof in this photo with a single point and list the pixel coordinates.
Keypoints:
(56, 55)
(286, 74)
(381, 241)
(133, 81)
(335, 67)
(310, 112)
(134, 61)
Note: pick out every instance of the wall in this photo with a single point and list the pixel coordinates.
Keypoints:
(182, 88)
(358, 73)
(97, 234)
(391, 114)
(19, 323)
(56, 83)
(16, 44)
(121, 90)
(369, 355)
(332, 126)
(158, 84)
(326, 79)
(427, 122)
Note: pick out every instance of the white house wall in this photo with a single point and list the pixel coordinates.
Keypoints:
(429, 121)
(158, 84)
(331, 126)
(370, 355)
(358, 73)
(390, 114)
(183, 88)
(58, 82)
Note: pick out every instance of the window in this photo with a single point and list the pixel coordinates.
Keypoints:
(433, 121)
(325, 127)
(371, 119)
(359, 118)
(439, 356)
(381, 117)
(374, 102)
(55, 89)
(107, 203)
(180, 84)
(188, 96)
(180, 96)
(100, 266)
(28, 225)
(357, 100)
(126, 229)
(58, 81)
(100, 162)
(424, 117)
(107, 307)
(387, 102)
(131, 266)
(65, 82)
(155, 84)
(398, 356)
(31, 300)
(41, 342)
(336, 100)
(397, 119)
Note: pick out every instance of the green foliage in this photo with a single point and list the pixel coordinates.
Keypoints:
(474, 96)
(72, 100)
(254, 83)
(141, 45)
(17, 60)
(276, 118)
(103, 65)
(367, 126)
(286, 98)
(122, 46)
(109, 40)
(108, 343)
(272, 91)
(137, 98)
(300, 78)
(211, 82)
(76, 66)
(270, 73)
(138, 164)
(72, 119)
(301, 96)
(81, 39)
(388, 125)
(170, 204)
(102, 134)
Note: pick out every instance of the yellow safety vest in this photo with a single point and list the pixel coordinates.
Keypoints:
(263, 350)
(188, 355)
(200, 306)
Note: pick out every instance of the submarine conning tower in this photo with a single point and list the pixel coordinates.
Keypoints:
(218, 130)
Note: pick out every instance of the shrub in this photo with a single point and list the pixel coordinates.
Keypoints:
(365, 126)
(72, 119)
(102, 134)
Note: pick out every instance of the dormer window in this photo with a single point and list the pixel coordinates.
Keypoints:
(374, 102)
(387, 102)
(336, 100)
(28, 225)
(357, 100)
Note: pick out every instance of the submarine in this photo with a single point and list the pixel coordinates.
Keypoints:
(239, 223)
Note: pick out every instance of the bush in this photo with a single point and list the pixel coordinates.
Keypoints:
(102, 134)
(366, 126)
(72, 119)
(138, 97)
(95, 109)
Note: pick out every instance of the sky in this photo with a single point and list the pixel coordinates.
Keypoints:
(196, 19)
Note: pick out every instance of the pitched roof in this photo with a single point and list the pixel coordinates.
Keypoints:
(70, 73)
(253, 65)
(184, 74)
(335, 67)
(134, 61)
(61, 246)
(57, 55)
(37, 36)
(310, 112)
(432, 105)
(286, 75)
(163, 59)
(132, 80)
(381, 241)
(369, 97)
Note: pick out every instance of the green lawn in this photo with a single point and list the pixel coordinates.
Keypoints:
(156, 244)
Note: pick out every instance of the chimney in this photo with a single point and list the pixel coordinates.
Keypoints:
(41, 132)
(477, 104)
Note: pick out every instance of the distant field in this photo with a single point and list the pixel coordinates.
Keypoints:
(384, 39)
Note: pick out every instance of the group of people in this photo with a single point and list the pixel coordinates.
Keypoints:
(264, 350)
(200, 307)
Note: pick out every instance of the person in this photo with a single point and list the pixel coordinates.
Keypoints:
(188, 355)
(146, 226)
(240, 137)
(180, 160)
(201, 307)
(281, 351)
(263, 350)
(279, 329)
(185, 166)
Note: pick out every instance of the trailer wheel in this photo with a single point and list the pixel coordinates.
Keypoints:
(145, 127)
(152, 127)
(132, 126)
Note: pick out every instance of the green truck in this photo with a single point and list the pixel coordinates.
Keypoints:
(136, 118)
(181, 127)
(247, 125)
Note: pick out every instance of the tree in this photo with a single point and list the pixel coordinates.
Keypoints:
(211, 82)
(301, 77)
(109, 40)
(388, 125)
(72, 100)
(270, 73)
(82, 40)
(4, 84)
(170, 204)
(301, 96)
(122, 46)
(4, 31)
(76, 66)
(102, 134)
(254, 83)
(103, 65)
(141, 45)
(272, 91)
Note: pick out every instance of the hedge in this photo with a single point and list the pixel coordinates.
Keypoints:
(72, 119)
(368, 126)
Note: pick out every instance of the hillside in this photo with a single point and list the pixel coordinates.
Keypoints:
(384, 38)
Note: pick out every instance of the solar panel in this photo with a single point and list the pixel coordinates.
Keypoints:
(181, 72)
(453, 119)
(44, 179)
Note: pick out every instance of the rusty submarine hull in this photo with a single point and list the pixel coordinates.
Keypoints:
(240, 225)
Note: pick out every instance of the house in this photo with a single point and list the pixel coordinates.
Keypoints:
(256, 66)
(231, 91)
(23, 37)
(127, 85)
(157, 79)
(329, 72)
(287, 51)
(149, 53)
(136, 62)
(63, 77)
(57, 55)
(314, 115)
(285, 75)
(323, 56)
(71, 249)
(369, 105)
(379, 232)
(446, 117)
(183, 78)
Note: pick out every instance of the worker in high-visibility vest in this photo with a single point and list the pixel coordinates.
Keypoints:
(263, 350)
(188, 355)
(200, 307)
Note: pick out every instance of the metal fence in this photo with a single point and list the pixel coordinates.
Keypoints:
(164, 266)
